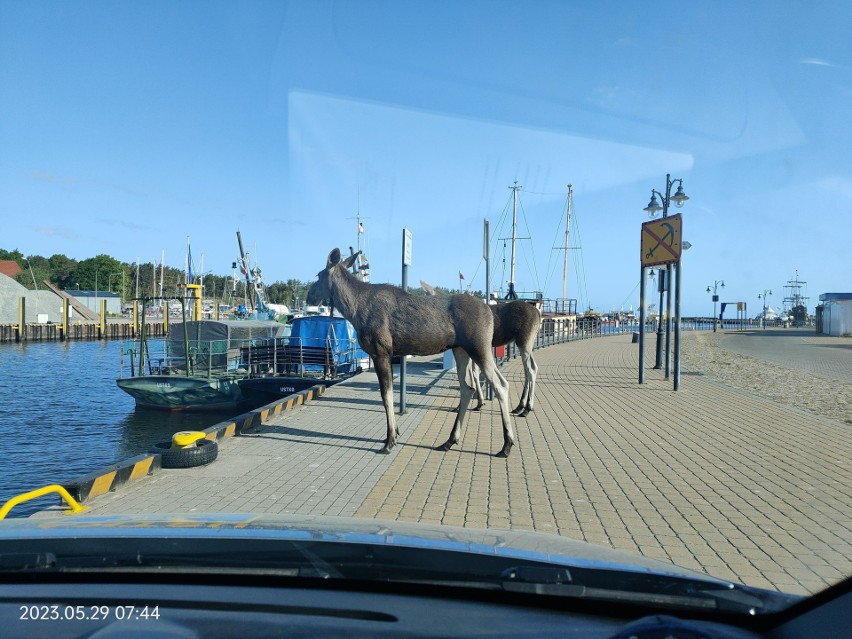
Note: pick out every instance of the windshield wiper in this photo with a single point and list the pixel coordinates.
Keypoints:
(26, 561)
(379, 563)
(615, 585)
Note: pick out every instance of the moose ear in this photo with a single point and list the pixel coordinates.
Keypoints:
(351, 260)
(333, 258)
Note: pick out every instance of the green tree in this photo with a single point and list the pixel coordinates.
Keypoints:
(36, 269)
(62, 270)
(15, 255)
(94, 273)
(292, 293)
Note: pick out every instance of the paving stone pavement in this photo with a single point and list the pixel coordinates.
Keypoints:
(709, 477)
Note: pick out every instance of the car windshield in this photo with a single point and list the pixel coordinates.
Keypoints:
(629, 221)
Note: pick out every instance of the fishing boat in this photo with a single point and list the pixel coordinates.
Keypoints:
(250, 359)
(320, 349)
(225, 364)
(198, 366)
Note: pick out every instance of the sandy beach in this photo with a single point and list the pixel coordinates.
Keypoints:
(826, 395)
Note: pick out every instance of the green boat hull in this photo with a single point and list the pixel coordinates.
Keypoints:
(176, 393)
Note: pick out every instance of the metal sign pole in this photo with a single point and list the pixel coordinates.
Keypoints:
(642, 326)
(486, 255)
(678, 274)
(406, 262)
(669, 273)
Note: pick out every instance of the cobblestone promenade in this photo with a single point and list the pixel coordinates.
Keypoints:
(716, 476)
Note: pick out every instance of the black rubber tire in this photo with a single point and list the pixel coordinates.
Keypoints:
(204, 452)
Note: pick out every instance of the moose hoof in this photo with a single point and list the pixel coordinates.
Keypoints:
(507, 448)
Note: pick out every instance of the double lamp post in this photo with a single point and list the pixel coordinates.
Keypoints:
(716, 285)
(665, 275)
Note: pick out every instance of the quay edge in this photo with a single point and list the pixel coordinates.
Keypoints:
(114, 476)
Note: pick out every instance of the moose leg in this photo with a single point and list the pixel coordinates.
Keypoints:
(477, 386)
(384, 371)
(474, 382)
(533, 373)
(501, 391)
(525, 405)
(462, 368)
(472, 376)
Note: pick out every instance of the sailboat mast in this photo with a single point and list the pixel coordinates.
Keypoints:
(565, 259)
(511, 294)
(361, 267)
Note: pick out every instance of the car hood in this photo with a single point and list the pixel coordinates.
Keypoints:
(518, 544)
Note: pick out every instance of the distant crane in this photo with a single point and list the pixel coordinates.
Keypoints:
(254, 283)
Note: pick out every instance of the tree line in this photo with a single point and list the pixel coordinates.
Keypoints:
(104, 273)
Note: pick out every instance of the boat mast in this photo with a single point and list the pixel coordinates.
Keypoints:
(361, 267)
(511, 294)
(795, 302)
(245, 268)
(565, 259)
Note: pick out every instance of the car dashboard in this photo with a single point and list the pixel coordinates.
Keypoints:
(152, 605)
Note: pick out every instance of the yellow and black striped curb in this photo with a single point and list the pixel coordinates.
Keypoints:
(257, 417)
(113, 477)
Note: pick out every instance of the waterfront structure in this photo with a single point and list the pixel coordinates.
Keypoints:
(42, 306)
(834, 314)
(93, 299)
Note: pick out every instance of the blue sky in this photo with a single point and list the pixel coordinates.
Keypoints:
(126, 127)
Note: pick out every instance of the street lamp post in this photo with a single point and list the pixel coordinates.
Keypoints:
(665, 275)
(658, 362)
(716, 285)
(763, 317)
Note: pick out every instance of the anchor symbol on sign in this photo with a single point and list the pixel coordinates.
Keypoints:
(669, 233)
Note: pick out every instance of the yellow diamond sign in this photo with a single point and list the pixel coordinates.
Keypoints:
(661, 241)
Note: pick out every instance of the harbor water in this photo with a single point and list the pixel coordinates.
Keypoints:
(64, 416)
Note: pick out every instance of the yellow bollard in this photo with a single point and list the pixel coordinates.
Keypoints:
(187, 438)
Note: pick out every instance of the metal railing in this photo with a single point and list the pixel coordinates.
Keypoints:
(74, 507)
(292, 356)
(558, 330)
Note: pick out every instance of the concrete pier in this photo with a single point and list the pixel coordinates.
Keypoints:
(715, 476)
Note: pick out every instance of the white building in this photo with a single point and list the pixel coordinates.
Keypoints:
(834, 314)
(93, 300)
